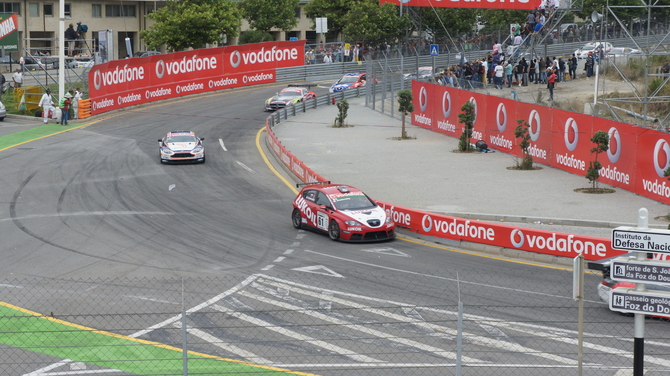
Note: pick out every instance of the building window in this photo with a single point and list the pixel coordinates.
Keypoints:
(10, 8)
(96, 10)
(152, 7)
(297, 12)
(34, 9)
(67, 10)
(48, 10)
(118, 10)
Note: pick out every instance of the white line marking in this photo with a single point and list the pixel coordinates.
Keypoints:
(319, 269)
(288, 251)
(295, 244)
(289, 333)
(360, 328)
(268, 267)
(244, 166)
(387, 251)
(443, 278)
(246, 355)
(171, 187)
(279, 259)
(222, 145)
(441, 329)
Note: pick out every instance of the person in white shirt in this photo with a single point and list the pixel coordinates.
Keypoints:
(76, 96)
(47, 104)
(17, 78)
(499, 72)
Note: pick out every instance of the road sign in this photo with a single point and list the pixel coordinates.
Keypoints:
(627, 269)
(434, 50)
(632, 239)
(623, 299)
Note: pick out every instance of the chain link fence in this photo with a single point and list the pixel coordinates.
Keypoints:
(466, 322)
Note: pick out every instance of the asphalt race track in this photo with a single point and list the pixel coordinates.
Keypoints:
(95, 205)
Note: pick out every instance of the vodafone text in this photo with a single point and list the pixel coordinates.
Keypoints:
(534, 151)
(661, 189)
(422, 119)
(561, 243)
(193, 64)
(614, 174)
(453, 227)
(400, 218)
(570, 161)
(119, 76)
(270, 55)
(446, 126)
(500, 141)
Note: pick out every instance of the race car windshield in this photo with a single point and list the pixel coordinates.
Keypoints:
(181, 139)
(348, 79)
(353, 203)
(290, 92)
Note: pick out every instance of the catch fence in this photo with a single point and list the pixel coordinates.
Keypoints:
(456, 322)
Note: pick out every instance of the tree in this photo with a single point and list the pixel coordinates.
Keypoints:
(184, 24)
(602, 140)
(467, 118)
(253, 36)
(375, 23)
(443, 22)
(522, 133)
(335, 10)
(405, 106)
(342, 108)
(264, 15)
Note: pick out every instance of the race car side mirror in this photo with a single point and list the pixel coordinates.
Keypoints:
(160, 140)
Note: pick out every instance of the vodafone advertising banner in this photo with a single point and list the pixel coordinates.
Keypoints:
(482, 4)
(636, 160)
(513, 237)
(122, 83)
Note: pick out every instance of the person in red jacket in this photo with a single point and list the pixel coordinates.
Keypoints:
(551, 80)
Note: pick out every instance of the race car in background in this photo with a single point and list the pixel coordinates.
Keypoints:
(342, 211)
(181, 146)
(349, 81)
(288, 97)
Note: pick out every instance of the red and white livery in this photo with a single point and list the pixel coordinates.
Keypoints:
(342, 211)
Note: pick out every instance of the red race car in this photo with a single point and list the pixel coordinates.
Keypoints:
(342, 211)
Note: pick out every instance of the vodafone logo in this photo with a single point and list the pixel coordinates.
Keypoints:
(423, 99)
(513, 236)
(571, 134)
(474, 103)
(235, 59)
(160, 68)
(501, 117)
(97, 80)
(118, 75)
(446, 104)
(661, 157)
(534, 125)
(614, 151)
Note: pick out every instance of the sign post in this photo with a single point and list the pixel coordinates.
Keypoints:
(642, 240)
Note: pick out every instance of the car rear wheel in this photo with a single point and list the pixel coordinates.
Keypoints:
(334, 230)
(296, 218)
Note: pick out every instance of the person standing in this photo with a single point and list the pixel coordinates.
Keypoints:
(531, 70)
(71, 36)
(589, 65)
(17, 77)
(508, 73)
(551, 80)
(519, 73)
(47, 105)
(65, 103)
(665, 69)
(498, 72)
(76, 97)
(573, 66)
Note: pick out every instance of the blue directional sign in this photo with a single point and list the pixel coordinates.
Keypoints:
(434, 50)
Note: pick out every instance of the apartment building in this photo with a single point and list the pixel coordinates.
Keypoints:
(39, 24)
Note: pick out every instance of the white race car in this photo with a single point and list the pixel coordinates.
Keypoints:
(181, 146)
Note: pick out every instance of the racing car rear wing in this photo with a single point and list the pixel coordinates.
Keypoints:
(298, 185)
(308, 86)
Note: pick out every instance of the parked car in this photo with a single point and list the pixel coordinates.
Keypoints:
(3, 112)
(583, 53)
(623, 51)
(146, 53)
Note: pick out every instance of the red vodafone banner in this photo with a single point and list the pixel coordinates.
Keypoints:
(513, 237)
(122, 83)
(636, 160)
(291, 162)
(482, 4)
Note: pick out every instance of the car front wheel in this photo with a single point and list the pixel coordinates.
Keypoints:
(334, 230)
(296, 218)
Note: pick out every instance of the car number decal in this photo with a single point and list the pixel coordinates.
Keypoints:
(322, 221)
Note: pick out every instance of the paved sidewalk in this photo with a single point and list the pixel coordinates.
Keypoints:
(425, 174)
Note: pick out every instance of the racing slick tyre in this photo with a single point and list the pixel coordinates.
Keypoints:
(334, 230)
(296, 218)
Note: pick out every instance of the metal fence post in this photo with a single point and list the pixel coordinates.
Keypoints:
(184, 344)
